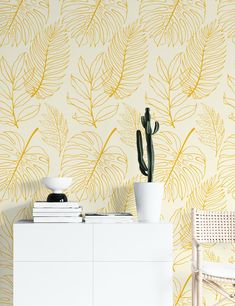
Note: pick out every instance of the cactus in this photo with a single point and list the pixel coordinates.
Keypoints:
(146, 122)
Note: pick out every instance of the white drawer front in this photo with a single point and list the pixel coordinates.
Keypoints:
(52, 284)
(133, 242)
(52, 242)
(132, 284)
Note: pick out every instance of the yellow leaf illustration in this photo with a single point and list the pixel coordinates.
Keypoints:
(21, 20)
(6, 289)
(229, 96)
(203, 62)
(175, 219)
(6, 239)
(21, 166)
(210, 128)
(54, 130)
(211, 256)
(94, 21)
(182, 294)
(6, 253)
(88, 95)
(171, 22)
(209, 195)
(47, 61)
(181, 257)
(226, 14)
(122, 199)
(167, 97)
(203, 5)
(129, 122)
(180, 166)
(15, 104)
(96, 167)
(125, 61)
(226, 164)
(6, 236)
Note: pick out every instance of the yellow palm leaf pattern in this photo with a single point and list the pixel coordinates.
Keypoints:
(54, 128)
(88, 96)
(181, 257)
(171, 22)
(203, 62)
(75, 78)
(226, 14)
(15, 103)
(129, 122)
(229, 96)
(182, 295)
(231, 84)
(21, 163)
(94, 21)
(122, 199)
(6, 242)
(226, 164)
(6, 289)
(180, 166)
(6, 253)
(210, 195)
(210, 128)
(6, 236)
(167, 98)
(96, 167)
(46, 62)
(21, 20)
(175, 219)
(211, 256)
(203, 5)
(125, 62)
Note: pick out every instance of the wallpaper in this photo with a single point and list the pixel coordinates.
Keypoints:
(75, 76)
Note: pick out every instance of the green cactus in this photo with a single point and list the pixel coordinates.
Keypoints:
(146, 122)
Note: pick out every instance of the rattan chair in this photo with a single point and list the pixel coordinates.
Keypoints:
(211, 227)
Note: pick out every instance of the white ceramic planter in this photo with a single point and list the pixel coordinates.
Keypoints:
(148, 198)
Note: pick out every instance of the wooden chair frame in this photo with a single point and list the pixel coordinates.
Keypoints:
(210, 227)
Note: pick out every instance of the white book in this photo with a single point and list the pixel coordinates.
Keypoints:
(109, 215)
(57, 210)
(56, 204)
(109, 221)
(57, 219)
(56, 214)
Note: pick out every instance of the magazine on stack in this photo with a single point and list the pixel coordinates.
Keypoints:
(109, 218)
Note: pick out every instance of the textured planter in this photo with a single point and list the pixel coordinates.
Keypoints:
(148, 197)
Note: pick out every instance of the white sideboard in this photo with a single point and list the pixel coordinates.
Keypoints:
(80, 264)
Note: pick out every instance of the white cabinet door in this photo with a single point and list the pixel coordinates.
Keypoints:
(132, 284)
(52, 284)
(52, 242)
(134, 242)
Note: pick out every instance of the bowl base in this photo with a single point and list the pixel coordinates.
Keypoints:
(57, 197)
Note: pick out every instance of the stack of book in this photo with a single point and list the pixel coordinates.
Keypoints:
(109, 218)
(47, 212)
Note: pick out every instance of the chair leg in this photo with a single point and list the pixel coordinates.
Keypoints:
(199, 289)
(194, 289)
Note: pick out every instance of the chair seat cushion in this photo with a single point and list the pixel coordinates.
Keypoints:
(218, 269)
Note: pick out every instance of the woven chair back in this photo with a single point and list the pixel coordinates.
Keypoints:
(213, 226)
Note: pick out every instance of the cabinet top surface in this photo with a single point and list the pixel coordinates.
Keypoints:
(30, 222)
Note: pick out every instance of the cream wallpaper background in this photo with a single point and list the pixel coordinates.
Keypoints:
(74, 78)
